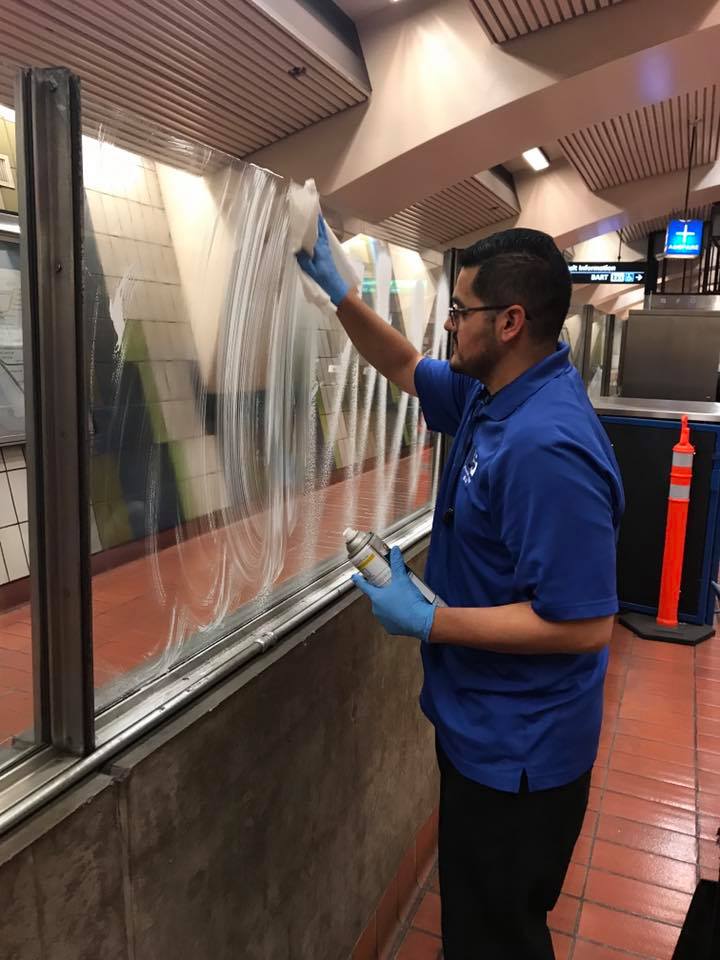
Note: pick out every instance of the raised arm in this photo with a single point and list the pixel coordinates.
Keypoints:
(383, 347)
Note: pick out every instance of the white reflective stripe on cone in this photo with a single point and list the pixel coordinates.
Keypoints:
(682, 459)
(679, 491)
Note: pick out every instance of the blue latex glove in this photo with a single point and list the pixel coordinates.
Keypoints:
(321, 267)
(399, 606)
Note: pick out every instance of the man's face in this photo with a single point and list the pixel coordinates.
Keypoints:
(476, 345)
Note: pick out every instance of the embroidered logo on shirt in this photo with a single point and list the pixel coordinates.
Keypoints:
(470, 467)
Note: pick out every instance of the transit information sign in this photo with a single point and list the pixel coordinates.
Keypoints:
(617, 272)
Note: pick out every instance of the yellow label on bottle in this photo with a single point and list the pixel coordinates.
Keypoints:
(373, 567)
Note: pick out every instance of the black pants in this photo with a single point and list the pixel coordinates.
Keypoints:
(503, 859)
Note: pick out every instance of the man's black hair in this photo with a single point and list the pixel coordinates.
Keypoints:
(524, 267)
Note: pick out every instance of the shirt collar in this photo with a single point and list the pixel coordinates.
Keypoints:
(506, 401)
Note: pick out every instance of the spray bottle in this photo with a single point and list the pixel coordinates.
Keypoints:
(371, 556)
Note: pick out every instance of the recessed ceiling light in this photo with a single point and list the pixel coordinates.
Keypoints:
(536, 159)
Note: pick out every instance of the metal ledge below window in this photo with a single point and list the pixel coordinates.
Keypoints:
(46, 774)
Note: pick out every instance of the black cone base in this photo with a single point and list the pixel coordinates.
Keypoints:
(648, 628)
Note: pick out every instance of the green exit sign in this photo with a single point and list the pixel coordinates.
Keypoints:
(369, 285)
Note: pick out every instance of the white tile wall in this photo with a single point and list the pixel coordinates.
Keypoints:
(7, 508)
(323, 344)
(18, 485)
(179, 312)
(158, 344)
(217, 495)
(14, 458)
(26, 538)
(13, 515)
(331, 397)
(124, 211)
(97, 211)
(111, 216)
(179, 377)
(181, 419)
(133, 239)
(13, 552)
(341, 432)
(182, 340)
(153, 190)
(209, 492)
(200, 455)
(344, 452)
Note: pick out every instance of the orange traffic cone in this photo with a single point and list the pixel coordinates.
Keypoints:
(666, 626)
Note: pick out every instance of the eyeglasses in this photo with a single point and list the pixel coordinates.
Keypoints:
(456, 312)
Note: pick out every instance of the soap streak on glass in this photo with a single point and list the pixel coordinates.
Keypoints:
(235, 430)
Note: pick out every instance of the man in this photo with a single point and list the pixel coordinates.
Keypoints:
(523, 552)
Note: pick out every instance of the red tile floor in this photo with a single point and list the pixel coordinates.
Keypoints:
(654, 811)
(142, 607)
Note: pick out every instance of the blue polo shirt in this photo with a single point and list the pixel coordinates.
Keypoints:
(528, 510)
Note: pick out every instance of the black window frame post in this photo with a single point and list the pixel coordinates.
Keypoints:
(51, 202)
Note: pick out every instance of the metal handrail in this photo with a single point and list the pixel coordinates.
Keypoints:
(43, 777)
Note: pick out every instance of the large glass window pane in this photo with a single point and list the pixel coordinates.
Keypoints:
(573, 335)
(16, 659)
(235, 432)
(618, 333)
(594, 363)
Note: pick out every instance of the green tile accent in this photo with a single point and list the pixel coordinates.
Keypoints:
(190, 503)
(147, 378)
(159, 429)
(104, 479)
(179, 460)
(134, 344)
(112, 523)
(325, 424)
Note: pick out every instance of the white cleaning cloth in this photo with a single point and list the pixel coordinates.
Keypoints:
(304, 203)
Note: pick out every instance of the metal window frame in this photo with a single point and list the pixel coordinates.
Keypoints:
(44, 777)
(51, 199)
(587, 313)
(50, 195)
(608, 355)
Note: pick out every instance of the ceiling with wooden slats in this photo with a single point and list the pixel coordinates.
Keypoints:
(466, 206)
(220, 72)
(505, 20)
(646, 142)
(639, 231)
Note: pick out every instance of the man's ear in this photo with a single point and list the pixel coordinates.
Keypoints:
(511, 323)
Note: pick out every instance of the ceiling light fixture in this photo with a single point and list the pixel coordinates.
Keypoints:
(7, 113)
(536, 159)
